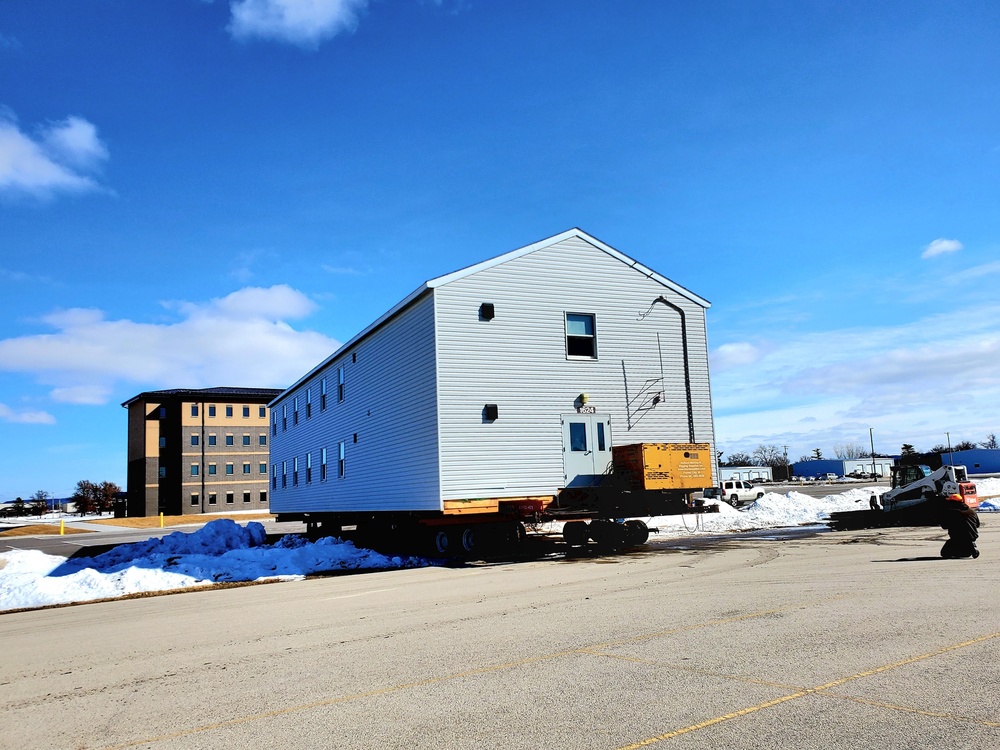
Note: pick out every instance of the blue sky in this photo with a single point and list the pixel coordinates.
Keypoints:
(198, 193)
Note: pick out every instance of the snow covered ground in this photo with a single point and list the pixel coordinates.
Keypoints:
(223, 550)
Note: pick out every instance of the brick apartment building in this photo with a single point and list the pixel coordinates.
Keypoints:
(198, 450)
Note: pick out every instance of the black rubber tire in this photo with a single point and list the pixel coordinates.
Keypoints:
(469, 539)
(636, 533)
(734, 500)
(440, 541)
(608, 535)
(576, 533)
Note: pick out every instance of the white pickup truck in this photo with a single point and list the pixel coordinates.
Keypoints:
(735, 492)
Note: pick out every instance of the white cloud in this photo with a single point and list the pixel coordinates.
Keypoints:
(735, 355)
(62, 158)
(910, 382)
(242, 339)
(25, 416)
(82, 394)
(941, 246)
(75, 142)
(305, 23)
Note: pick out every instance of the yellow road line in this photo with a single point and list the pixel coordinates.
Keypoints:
(911, 710)
(334, 701)
(692, 670)
(444, 678)
(802, 693)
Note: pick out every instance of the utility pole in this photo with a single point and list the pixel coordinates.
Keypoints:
(951, 458)
(871, 437)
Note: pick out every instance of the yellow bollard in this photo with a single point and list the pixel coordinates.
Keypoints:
(62, 527)
(161, 520)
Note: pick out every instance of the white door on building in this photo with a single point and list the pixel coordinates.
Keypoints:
(586, 448)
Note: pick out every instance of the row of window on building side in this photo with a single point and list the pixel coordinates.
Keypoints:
(308, 402)
(213, 498)
(323, 471)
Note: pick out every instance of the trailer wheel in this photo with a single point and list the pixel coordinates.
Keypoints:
(513, 535)
(636, 533)
(468, 539)
(576, 533)
(440, 541)
(609, 535)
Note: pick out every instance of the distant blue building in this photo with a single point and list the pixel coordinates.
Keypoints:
(975, 461)
(842, 467)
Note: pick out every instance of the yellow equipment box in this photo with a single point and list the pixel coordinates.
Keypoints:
(665, 466)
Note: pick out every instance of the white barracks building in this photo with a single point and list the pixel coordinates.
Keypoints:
(506, 380)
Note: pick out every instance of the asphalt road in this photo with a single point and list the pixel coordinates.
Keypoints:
(849, 639)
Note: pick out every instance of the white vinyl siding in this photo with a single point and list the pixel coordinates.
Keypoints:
(391, 405)
(518, 361)
(420, 378)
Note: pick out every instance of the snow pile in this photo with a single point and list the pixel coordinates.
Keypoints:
(772, 511)
(989, 493)
(223, 550)
(220, 551)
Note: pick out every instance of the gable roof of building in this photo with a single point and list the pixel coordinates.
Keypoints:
(569, 233)
(439, 281)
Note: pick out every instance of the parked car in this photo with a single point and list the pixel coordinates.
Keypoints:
(828, 477)
(734, 492)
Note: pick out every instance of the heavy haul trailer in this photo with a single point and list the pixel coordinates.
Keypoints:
(643, 480)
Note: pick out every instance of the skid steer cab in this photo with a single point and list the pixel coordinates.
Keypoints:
(915, 484)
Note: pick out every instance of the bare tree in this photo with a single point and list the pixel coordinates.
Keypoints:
(40, 503)
(106, 492)
(86, 497)
(849, 451)
(769, 455)
(965, 445)
(990, 443)
(737, 459)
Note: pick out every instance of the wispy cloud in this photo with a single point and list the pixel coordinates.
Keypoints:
(911, 382)
(25, 416)
(739, 354)
(61, 157)
(941, 246)
(304, 23)
(343, 270)
(9, 42)
(243, 338)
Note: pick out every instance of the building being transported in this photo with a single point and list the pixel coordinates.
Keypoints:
(488, 389)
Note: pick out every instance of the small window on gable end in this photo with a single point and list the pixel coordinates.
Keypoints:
(581, 335)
